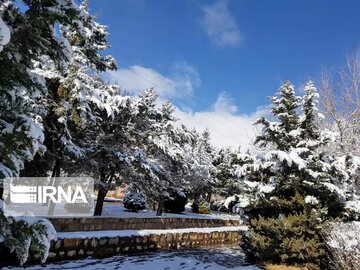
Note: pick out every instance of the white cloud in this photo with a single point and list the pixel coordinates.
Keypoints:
(227, 128)
(180, 83)
(220, 25)
(224, 103)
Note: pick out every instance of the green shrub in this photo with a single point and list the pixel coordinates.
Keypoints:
(204, 208)
(291, 239)
(200, 206)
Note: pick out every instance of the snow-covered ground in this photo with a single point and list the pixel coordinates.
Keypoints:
(198, 259)
(118, 210)
(123, 233)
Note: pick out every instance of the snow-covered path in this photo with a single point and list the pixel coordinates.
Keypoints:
(198, 259)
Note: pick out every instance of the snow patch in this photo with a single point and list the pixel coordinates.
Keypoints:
(124, 233)
(4, 34)
(311, 200)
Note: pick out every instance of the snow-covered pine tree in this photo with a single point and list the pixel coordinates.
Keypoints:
(335, 174)
(293, 190)
(309, 120)
(281, 134)
(164, 171)
(225, 184)
(199, 155)
(138, 146)
(25, 37)
(74, 94)
(29, 37)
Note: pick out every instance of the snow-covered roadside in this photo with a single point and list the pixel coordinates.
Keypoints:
(215, 259)
(123, 233)
(118, 210)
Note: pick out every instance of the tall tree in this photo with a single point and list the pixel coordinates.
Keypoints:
(21, 111)
(281, 134)
(74, 93)
(340, 104)
(294, 183)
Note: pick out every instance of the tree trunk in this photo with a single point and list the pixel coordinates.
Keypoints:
(160, 206)
(103, 191)
(209, 197)
(55, 173)
(100, 202)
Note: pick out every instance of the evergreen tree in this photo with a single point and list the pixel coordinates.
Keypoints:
(28, 35)
(74, 93)
(138, 146)
(281, 134)
(198, 156)
(309, 120)
(293, 183)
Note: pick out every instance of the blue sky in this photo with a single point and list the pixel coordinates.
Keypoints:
(225, 56)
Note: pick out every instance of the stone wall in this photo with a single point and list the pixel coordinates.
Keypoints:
(75, 248)
(112, 223)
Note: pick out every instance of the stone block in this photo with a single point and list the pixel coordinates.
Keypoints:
(193, 236)
(57, 244)
(51, 255)
(94, 242)
(71, 253)
(71, 242)
(103, 241)
(113, 241)
(109, 251)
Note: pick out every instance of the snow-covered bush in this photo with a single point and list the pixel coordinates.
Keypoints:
(352, 209)
(236, 204)
(21, 234)
(218, 206)
(135, 201)
(176, 202)
(343, 244)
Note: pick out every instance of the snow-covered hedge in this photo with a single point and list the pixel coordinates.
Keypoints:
(20, 234)
(343, 243)
(135, 201)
